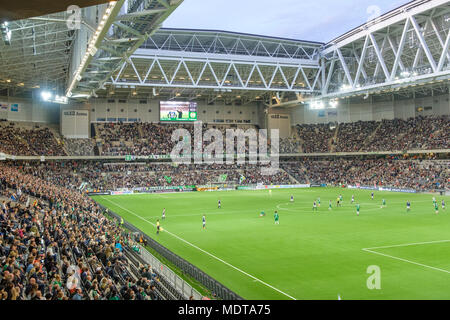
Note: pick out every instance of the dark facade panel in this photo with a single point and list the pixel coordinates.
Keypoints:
(22, 9)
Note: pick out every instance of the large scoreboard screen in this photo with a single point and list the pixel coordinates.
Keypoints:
(177, 111)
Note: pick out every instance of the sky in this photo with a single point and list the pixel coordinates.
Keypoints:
(314, 20)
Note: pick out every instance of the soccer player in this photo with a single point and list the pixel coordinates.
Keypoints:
(340, 198)
(353, 198)
(262, 214)
(158, 227)
(357, 209)
(329, 205)
(372, 195)
(383, 203)
(443, 204)
(314, 206)
(219, 204)
(204, 222)
(408, 206)
(338, 204)
(164, 214)
(436, 207)
(276, 217)
(318, 202)
(292, 198)
(434, 200)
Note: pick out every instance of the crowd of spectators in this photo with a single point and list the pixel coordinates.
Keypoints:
(17, 140)
(423, 133)
(289, 145)
(79, 147)
(103, 176)
(144, 139)
(56, 244)
(352, 136)
(420, 133)
(316, 138)
(411, 174)
(296, 170)
(112, 176)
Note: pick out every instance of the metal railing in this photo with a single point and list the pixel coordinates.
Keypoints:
(171, 277)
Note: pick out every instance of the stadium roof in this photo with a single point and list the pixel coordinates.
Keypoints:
(42, 52)
(239, 34)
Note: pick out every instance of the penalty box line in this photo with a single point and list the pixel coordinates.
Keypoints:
(371, 250)
(206, 252)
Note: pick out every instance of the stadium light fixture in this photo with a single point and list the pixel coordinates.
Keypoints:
(46, 95)
(60, 99)
(317, 105)
(92, 49)
(334, 103)
(405, 74)
(6, 33)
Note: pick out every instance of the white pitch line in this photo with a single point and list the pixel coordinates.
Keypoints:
(206, 252)
(405, 260)
(408, 244)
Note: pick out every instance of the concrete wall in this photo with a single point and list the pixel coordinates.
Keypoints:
(32, 110)
(373, 110)
(280, 118)
(102, 110)
(38, 111)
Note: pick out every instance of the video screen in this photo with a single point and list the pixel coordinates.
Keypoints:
(177, 111)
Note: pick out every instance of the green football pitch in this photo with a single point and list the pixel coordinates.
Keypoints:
(308, 255)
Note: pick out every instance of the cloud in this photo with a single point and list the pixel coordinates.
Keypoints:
(319, 20)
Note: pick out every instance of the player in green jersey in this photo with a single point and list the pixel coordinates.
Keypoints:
(276, 217)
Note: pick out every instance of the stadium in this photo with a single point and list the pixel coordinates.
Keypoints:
(143, 162)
